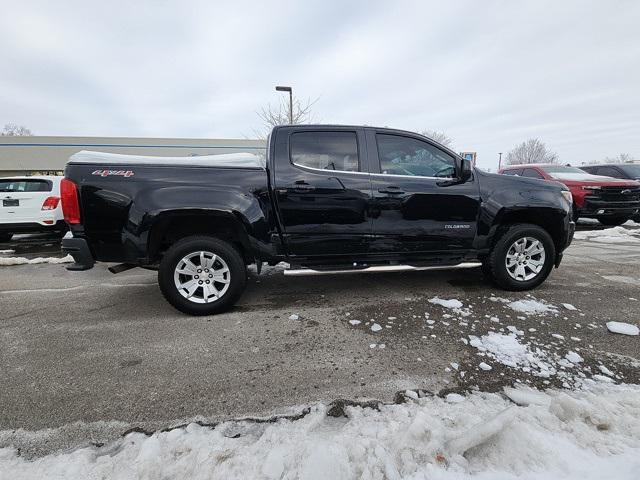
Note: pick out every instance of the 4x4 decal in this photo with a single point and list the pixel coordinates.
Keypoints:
(109, 173)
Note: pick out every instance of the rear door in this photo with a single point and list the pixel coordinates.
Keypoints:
(417, 208)
(322, 191)
(21, 199)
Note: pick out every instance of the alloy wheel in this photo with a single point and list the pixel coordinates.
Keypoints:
(525, 259)
(202, 277)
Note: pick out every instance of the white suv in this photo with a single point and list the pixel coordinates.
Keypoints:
(30, 205)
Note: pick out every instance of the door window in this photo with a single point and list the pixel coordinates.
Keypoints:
(531, 173)
(408, 156)
(325, 150)
(608, 172)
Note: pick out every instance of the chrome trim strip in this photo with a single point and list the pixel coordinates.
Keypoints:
(304, 167)
(381, 268)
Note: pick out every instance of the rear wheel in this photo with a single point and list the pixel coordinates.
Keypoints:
(5, 237)
(522, 258)
(612, 221)
(202, 275)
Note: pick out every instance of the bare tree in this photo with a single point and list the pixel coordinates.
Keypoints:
(438, 136)
(13, 130)
(531, 151)
(274, 115)
(622, 158)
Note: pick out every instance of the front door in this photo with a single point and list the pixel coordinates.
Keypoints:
(323, 191)
(417, 206)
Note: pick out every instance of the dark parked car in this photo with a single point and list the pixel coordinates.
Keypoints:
(628, 171)
(323, 197)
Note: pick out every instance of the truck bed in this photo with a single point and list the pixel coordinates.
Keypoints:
(123, 197)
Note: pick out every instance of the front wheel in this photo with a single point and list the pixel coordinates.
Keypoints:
(522, 258)
(202, 275)
(612, 221)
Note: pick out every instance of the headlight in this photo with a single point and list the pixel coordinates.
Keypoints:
(567, 196)
(591, 187)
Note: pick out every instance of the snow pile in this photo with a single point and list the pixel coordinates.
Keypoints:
(507, 350)
(609, 235)
(6, 261)
(7, 252)
(623, 328)
(453, 303)
(532, 307)
(583, 435)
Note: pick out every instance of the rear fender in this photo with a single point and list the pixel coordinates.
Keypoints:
(154, 210)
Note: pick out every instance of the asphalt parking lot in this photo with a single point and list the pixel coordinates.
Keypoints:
(90, 355)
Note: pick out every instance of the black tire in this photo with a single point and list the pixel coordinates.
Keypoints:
(497, 257)
(574, 213)
(612, 221)
(5, 237)
(190, 245)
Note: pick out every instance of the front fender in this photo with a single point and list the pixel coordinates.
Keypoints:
(544, 207)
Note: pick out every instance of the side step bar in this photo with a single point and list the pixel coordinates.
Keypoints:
(381, 268)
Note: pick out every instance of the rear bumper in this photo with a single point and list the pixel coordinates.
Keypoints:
(33, 227)
(78, 248)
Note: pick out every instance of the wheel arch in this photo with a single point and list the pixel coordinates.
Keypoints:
(549, 219)
(170, 226)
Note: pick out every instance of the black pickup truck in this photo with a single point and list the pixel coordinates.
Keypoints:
(322, 198)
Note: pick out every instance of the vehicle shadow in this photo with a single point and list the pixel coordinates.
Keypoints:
(33, 245)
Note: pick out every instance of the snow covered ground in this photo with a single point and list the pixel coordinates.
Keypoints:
(522, 433)
(8, 261)
(609, 235)
(581, 422)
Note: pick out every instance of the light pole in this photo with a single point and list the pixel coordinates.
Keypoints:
(290, 90)
(500, 160)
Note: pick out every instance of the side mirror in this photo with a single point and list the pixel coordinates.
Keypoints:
(465, 170)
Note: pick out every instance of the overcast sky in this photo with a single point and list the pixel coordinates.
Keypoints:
(490, 74)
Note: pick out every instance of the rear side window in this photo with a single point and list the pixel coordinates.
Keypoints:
(513, 171)
(531, 173)
(325, 150)
(25, 185)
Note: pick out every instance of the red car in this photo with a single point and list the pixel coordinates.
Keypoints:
(612, 201)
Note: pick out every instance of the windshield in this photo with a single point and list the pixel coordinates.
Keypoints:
(632, 170)
(561, 169)
(561, 172)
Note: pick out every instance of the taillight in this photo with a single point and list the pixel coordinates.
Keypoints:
(51, 203)
(70, 203)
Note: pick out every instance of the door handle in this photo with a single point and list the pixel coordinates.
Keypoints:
(392, 190)
(302, 186)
